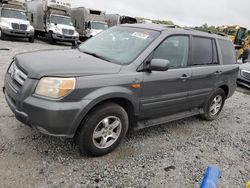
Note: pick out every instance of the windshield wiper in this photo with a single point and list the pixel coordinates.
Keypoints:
(97, 56)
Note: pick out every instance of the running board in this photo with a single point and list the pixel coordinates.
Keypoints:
(157, 121)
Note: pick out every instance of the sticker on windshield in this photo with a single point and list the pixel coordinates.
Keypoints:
(140, 35)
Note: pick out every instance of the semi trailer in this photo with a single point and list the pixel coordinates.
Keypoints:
(88, 22)
(116, 19)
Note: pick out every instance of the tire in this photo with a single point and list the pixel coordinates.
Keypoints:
(74, 43)
(36, 35)
(50, 38)
(31, 39)
(246, 55)
(2, 35)
(217, 98)
(109, 123)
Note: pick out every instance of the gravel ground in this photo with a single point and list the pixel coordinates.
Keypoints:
(171, 155)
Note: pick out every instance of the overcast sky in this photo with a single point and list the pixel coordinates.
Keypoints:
(182, 12)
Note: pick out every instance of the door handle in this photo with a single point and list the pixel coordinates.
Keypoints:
(184, 77)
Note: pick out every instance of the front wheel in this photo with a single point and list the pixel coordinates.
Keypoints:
(2, 35)
(214, 105)
(31, 39)
(50, 38)
(102, 130)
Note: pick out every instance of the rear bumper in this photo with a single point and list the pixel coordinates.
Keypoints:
(65, 38)
(53, 118)
(18, 33)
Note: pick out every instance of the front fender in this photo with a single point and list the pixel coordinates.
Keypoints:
(103, 94)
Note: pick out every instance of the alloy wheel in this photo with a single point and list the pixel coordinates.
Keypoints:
(107, 132)
(216, 105)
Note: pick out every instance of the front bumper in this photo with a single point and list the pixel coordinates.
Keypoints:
(18, 33)
(65, 38)
(53, 118)
(241, 80)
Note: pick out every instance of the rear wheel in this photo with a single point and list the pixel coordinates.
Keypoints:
(214, 105)
(246, 56)
(103, 130)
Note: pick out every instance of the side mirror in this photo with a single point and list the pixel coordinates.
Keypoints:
(158, 65)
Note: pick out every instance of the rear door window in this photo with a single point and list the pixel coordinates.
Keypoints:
(204, 51)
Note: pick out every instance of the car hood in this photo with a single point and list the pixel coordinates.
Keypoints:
(68, 63)
(245, 66)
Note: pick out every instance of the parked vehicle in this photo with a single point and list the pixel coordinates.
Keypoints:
(129, 76)
(14, 21)
(51, 19)
(88, 22)
(116, 19)
(244, 75)
(240, 37)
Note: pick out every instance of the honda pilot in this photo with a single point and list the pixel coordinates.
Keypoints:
(127, 77)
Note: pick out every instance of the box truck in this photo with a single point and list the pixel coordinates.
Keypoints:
(88, 22)
(14, 21)
(51, 19)
(116, 19)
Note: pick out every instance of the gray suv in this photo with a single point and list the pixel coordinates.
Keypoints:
(128, 77)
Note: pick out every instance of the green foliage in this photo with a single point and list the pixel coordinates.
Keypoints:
(209, 29)
(165, 22)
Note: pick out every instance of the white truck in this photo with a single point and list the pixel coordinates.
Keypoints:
(14, 21)
(88, 22)
(116, 19)
(51, 19)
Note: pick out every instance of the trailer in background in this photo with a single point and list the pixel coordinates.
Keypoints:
(88, 22)
(14, 21)
(52, 19)
(116, 19)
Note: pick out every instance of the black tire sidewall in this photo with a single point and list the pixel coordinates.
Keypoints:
(85, 134)
(207, 112)
(3, 36)
(31, 39)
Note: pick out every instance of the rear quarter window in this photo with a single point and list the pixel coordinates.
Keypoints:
(227, 51)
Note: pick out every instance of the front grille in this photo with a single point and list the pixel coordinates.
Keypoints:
(68, 32)
(19, 26)
(23, 27)
(245, 74)
(17, 75)
(15, 26)
(71, 32)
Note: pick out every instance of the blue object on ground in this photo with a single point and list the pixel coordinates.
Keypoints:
(211, 177)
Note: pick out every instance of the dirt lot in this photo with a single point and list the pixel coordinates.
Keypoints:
(171, 155)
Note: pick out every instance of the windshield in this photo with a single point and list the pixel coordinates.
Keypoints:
(119, 44)
(8, 13)
(60, 20)
(99, 26)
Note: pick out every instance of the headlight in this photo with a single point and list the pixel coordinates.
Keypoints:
(58, 31)
(30, 28)
(76, 34)
(55, 88)
(5, 25)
